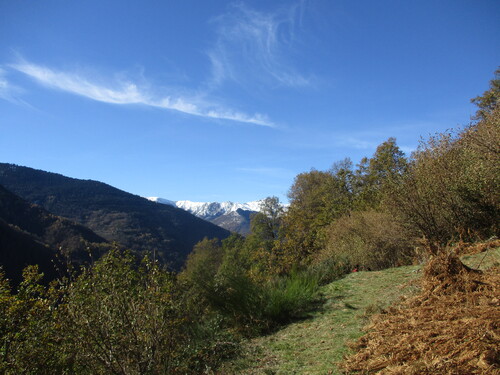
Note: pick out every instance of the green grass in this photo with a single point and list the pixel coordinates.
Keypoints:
(316, 344)
(484, 260)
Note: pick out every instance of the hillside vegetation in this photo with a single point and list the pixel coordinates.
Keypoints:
(319, 343)
(278, 298)
(32, 236)
(115, 215)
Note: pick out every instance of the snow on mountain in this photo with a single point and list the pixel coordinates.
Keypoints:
(210, 210)
(229, 215)
(214, 209)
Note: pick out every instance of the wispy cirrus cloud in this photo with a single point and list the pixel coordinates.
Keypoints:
(257, 46)
(250, 47)
(126, 92)
(8, 91)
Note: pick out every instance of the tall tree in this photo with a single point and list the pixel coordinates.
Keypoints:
(263, 240)
(267, 222)
(316, 199)
(374, 174)
(490, 98)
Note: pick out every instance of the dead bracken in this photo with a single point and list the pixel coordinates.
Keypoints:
(452, 327)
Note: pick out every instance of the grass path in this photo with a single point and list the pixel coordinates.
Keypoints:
(315, 344)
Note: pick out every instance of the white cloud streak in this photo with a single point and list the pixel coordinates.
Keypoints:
(9, 91)
(129, 93)
(253, 45)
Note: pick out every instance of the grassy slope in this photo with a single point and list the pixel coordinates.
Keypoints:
(316, 344)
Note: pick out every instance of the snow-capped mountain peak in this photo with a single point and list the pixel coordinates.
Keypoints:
(210, 210)
(229, 215)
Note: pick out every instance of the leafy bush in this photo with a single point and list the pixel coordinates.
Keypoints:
(316, 199)
(122, 318)
(207, 344)
(329, 267)
(370, 240)
(290, 297)
(119, 316)
(198, 275)
(452, 189)
(239, 299)
(30, 336)
(254, 306)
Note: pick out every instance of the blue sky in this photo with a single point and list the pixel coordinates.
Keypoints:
(222, 100)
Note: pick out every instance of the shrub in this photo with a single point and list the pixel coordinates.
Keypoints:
(316, 199)
(452, 189)
(239, 299)
(198, 275)
(121, 318)
(30, 336)
(203, 262)
(329, 267)
(289, 297)
(207, 345)
(370, 240)
(254, 307)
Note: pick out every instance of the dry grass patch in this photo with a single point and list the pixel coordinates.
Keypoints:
(467, 248)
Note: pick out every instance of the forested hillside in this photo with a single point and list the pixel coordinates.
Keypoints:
(33, 236)
(19, 249)
(115, 215)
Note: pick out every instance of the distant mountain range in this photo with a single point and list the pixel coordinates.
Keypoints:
(234, 217)
(114, 215)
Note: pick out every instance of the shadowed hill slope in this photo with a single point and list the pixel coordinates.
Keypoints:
(31, 235)
(237, 221)
(115, 215)
(19, 249)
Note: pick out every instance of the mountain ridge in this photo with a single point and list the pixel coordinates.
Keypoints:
(115, 215)
(232, 216)
(210, 208)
